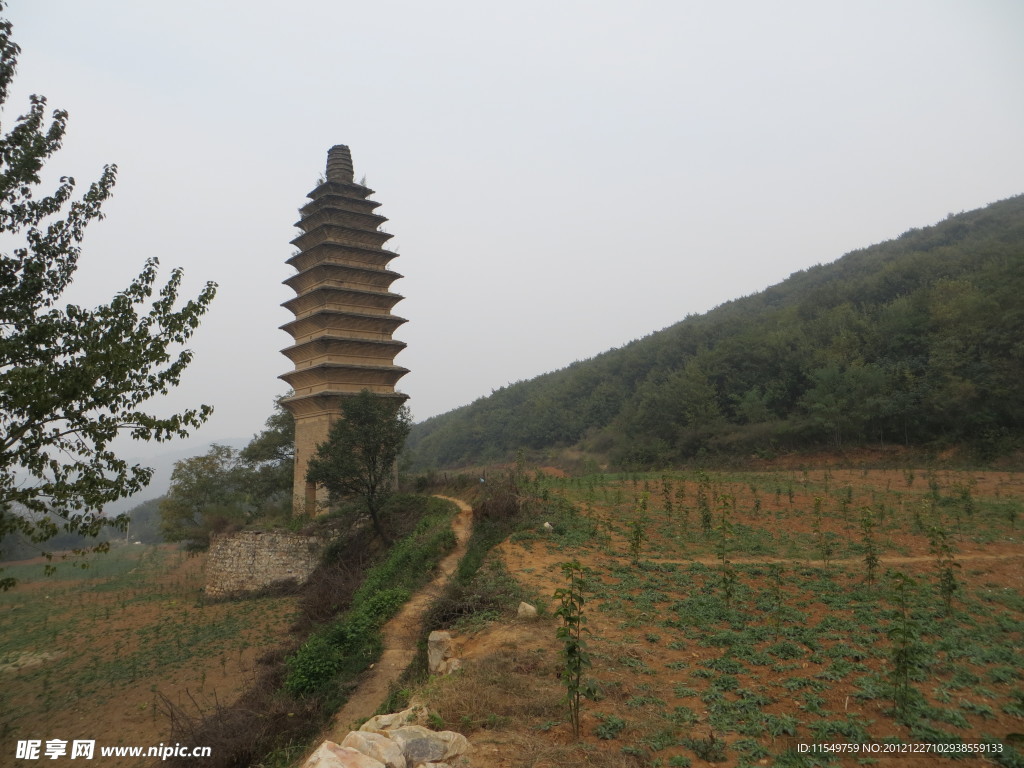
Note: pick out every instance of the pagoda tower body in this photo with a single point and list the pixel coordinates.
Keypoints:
(343, 322)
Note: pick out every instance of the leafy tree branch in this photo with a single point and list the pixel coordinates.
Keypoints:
(73, 379)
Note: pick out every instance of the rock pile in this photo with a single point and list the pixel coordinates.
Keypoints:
(394, 741)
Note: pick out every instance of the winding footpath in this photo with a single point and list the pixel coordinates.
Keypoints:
(401, 635)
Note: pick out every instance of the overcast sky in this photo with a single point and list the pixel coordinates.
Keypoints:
(560, 177)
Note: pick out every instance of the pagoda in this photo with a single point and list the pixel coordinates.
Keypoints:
(343, 322)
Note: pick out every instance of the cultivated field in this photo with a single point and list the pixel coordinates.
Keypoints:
(734, 617)
(86, 654)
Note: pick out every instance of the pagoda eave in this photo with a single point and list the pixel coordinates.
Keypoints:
(342, 346)
(339, 203)
(323, 232)
(373, 220)
(339, 187)
(335, 266)
(362, 302)
(384, 276)
(327, 403)
(381, 255)
(379, 320)
(343, 377)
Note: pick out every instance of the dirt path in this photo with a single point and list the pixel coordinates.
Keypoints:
(882, 559)
(522, 561)
(401, 635)
(531, 558)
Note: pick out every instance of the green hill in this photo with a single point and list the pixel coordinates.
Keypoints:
(917, 341)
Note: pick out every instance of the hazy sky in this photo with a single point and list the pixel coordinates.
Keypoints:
(560, 177)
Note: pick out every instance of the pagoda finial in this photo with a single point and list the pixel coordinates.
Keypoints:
(339, 164)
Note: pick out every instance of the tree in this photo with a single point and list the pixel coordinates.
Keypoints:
(269, 462)
(204, 497)
(225, 487)
(575, 657)
(145, 522)
(358, 457)
(73, 379)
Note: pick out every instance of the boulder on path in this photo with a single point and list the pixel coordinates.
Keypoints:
(331, 755)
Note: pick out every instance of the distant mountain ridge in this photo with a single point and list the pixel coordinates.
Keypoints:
(918, 340)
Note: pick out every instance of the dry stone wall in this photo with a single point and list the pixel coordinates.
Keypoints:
(249, 561)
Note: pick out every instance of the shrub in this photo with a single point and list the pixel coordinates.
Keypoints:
(710, 749)
(610, 727)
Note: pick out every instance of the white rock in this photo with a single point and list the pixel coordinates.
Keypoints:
(422, 745)
(413, 715)
(526, 611)
(331, 755)
(377, 746)
(439, 648)
(549, 527)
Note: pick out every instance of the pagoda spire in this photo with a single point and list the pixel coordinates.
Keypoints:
(342, 306)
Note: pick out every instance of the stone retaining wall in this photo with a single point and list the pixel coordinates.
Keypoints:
(248, 561)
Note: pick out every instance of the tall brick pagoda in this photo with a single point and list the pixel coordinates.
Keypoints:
(343, 322)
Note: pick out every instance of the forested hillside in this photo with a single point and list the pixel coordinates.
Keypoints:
(919, 341)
